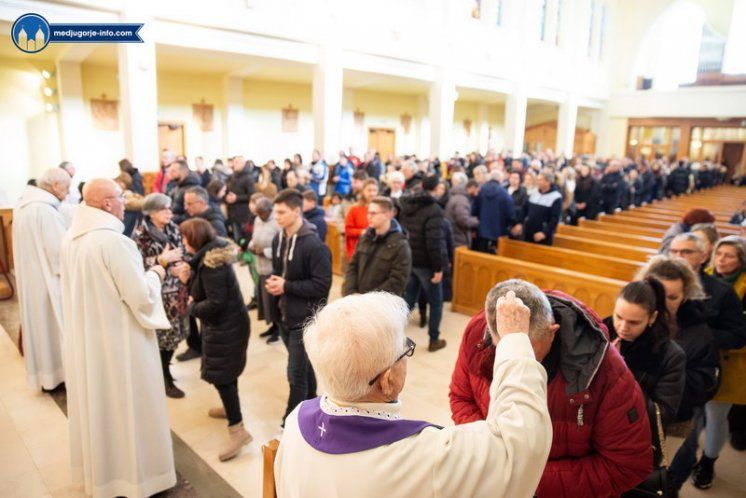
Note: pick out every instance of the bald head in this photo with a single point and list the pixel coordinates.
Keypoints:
(56, 181)
(106, 195)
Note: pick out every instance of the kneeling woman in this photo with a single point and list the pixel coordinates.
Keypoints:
(215, 298)
(639, 330)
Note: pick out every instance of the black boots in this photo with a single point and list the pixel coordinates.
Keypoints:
(703, 472)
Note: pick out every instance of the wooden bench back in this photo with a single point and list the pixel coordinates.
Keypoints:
(641, 254)
(269, 453)
(623, 228)
(607, 235)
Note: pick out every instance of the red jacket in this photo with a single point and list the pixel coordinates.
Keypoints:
(601, 445)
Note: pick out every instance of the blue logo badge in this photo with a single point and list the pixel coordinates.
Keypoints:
(30, 33)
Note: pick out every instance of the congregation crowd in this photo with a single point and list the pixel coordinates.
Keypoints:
(540, 377)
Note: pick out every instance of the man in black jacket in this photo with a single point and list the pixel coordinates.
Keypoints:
(382, 260)
(587, 196)
(612, 187)
(197, 205)
(300, 282)
(240, 186)
(182, 179)
(422, 218)
(313, 213)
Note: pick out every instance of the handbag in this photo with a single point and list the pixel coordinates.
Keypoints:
(657, 483)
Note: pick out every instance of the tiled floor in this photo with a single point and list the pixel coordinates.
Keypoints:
(33, 433)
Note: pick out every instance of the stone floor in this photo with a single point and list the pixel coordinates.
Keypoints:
(34, 457)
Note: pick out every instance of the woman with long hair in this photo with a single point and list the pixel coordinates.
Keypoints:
(356, 221)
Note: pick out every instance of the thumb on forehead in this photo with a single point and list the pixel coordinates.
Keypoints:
(510, 295)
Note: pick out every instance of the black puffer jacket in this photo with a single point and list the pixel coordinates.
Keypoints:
(724, 313)
(612, 188)
(588, 192)
(678, 180)
(422, 218)
(696, 339)
(305, 263)
(219, 304)
(241, 184)
(215, 218)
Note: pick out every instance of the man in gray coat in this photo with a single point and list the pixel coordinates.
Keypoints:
(458, 211)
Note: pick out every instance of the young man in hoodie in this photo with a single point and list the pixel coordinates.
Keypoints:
(542, 213)
(300, 282)
(313, 213)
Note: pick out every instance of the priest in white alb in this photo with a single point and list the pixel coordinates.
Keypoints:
(119, 435)
(38, 229)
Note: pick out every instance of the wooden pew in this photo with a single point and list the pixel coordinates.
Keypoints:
(475, 273)
(335, 242)
(672, 211)
(269, 454)
(605, 248)
(610, 236)
(569, 259)
(639, 219)
(6, 248)
(623, 228)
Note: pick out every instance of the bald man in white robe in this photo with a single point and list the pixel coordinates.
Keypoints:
(38, 229)
(119, 435)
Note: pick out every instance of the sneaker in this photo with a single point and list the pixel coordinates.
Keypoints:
(436, 345)
(703, 472)
(270, 331)
(252, 305)
(273, 338)
(189, 354)
(174, 392)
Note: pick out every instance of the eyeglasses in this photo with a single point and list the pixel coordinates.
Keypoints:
(682, 252)
(409, 351)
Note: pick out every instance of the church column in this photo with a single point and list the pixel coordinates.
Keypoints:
(515, 121)
(234, 123)
(73, 119)
(442, 100)
(566, 123)
(327, 102)
(423, 127)
(139, 97)
(483, 128)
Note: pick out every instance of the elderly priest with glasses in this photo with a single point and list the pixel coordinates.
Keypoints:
(352, 441)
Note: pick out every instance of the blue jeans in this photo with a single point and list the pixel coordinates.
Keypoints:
(419, 280)
(716, 430)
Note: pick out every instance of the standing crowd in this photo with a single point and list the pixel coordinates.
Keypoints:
(541, 374)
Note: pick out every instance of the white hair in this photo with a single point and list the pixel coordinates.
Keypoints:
(395, 175)
(496, 175)
(536, 301)
(353, 339)
(51, 176)
(459, 178)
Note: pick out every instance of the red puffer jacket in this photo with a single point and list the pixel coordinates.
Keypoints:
(601, 445)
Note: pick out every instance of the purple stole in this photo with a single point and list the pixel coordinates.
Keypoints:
(342, 434)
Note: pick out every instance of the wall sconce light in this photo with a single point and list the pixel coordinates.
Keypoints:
(50, 107)
(46, 74)
(48, 91)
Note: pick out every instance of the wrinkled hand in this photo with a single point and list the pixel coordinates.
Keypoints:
(183, 271)
(275, 285)
(158, 270)
(230, 197)
(170, 255)
(511, 316)
(539, 236)
(437, 277)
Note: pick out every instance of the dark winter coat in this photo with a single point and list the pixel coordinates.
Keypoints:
(177, 195)
(305, 263)
(696, 339)
(458, 211)
(422, 219)
(520, 198)
(612, 187)
(601, 436)
(678, 180)
(215, 218)
(242, 184)
(659, 373)
(136, 186)
(542, 213)
(724, 313)
(316, 216)
(495, 210)
(380, 263)
(218, 303)
(588, 191)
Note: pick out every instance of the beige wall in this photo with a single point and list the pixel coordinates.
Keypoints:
(29, 136)
(107, 146)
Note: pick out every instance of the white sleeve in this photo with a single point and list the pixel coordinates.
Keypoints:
(503, 456)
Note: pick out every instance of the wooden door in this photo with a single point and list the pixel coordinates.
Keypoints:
(171, 136)
(383, 141)
(732, 157)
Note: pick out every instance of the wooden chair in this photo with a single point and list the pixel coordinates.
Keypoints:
(269, 453)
